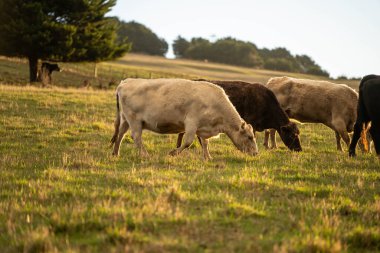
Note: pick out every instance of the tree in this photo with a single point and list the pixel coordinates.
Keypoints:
(142, 38)
(308, 66)
(60, 30)
(236, 52)
(242, 53)
(180, 45)
(199, 49)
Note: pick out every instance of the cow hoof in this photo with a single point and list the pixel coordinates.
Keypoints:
(206, 159)
(174, 152)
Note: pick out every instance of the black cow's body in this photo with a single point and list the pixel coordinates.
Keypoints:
(368, 111)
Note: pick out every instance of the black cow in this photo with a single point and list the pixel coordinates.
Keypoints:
(368, 111)
(258, 106)
(44, 74)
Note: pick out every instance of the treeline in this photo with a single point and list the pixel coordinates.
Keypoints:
(227, 50)
(236, 52)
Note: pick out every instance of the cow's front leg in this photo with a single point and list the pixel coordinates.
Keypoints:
(179, 139)
(358, 127)
(338, 144)
(136, 130)
(206, 153)
(273, 138)
(266, 138)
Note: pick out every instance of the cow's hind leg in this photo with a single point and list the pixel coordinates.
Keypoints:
(375, 133)
(136, 131)
(116, 127)
(120, 132)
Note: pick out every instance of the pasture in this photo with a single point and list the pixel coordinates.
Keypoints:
(61, 190)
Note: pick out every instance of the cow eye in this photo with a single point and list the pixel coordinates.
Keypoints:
(250, 138)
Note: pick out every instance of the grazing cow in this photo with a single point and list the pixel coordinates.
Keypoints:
(44, 74)
(258, 106)
(170, 106)
(333, 105)
(368, 111)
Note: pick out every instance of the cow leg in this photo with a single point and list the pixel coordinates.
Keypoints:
(120, 132)
(340, 128)
(273, 138)
(136, 129)
(179, 139)
(375, 133)
(358, 128)
(188, 139)
(345, 137)
(338, 144)
(206, 153)
(199, 140)
(266, 138)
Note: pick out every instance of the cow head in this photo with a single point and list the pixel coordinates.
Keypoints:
(51, 67)
(244, 139)
(290, 136)
(54, 67)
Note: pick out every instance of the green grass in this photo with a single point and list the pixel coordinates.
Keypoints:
(15, 71)
(61, 190)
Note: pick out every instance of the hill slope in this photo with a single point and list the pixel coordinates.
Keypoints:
(143, 66)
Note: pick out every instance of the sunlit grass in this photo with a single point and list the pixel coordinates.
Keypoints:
(61, 190)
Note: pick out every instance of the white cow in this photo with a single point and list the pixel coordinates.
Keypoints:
(172, 106)
(331, 104)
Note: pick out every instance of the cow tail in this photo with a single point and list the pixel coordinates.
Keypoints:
(363, 136)
(362, 113)
(117, 120)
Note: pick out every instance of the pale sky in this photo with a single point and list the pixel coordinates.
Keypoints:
(342, 36)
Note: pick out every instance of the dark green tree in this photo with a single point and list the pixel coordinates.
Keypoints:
(59, 30)
(180, 45)
(142, 38)
(279, 59)
(309, 66)
(236, 52)
(199, 49)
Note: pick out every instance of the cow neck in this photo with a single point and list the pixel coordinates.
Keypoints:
(283, 119)
(233, 121)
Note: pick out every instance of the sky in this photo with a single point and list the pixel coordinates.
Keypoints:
(342, 36)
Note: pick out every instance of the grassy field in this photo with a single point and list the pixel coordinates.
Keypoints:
(61, 190)
(15, 71)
